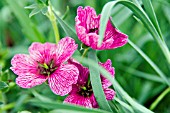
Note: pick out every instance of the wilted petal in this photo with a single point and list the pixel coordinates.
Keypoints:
(108, 66)
(29, 81)
(23, 64)
(65, 49)
(78, 100)
(62, 79)
(109, 93)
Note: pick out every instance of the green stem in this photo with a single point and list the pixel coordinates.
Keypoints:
(156, 102)
(52, 18)
(85, 52)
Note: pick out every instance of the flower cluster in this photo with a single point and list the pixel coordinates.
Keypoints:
(53, 62)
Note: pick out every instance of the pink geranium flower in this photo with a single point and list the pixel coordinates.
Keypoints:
(82, 92)
(87, 28)
(47, 61)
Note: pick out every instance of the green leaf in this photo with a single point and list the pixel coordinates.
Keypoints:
(57, 105)
(117, 87)
(69, 111)
(4, 76)
(139, 14)
(68, 30)
(34, 12)
(33, 6)
(96, 83)
(124, 104)
(152, 64)
(3, 85)
(149, 10)
(140, 74)
(30, 29)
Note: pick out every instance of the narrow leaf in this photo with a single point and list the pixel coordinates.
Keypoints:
(149, 10)
(69, 111)
(124, 104)
(34, 12)
(152, 64)
(56, 105)
(96, 83)
(31, 6)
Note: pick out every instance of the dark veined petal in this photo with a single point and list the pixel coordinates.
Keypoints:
(87, 28)
(30, 80)
(42, 52)
(22, 64)
(83, 72)
(108, 66)
(65, 49)
(78, 100)
(62, 79)
(109, 93)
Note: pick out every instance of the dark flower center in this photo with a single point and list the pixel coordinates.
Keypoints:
(94, 30)
(86, 90)
(46, 69)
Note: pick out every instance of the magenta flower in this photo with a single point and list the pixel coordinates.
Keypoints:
(87, 28)
(82, 92)
(47, 61)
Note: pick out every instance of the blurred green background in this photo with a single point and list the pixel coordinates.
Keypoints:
(139, 80)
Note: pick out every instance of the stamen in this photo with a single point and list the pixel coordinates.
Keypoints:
(46, 68)
(93, 30)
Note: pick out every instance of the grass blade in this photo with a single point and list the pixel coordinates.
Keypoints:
(96, 83)
(152, 64)
(56, 105)
(124, 104)
(149, 10)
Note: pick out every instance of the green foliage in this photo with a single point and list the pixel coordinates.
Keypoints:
(3, 85)
(142, 66)
(96, 83)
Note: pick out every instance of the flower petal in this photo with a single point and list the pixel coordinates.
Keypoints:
(30, 80)
(93, 101)
(78, 100)
(113, 38)
(87, 21)
(87, 28)
(83, 72)
(42, 52)
(109, 93)
(23, 64)
(108, 66)
(62, 79)
(65, 49)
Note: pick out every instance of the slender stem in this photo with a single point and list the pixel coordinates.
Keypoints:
(162, 95)
(52, 18)
(85, 52)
